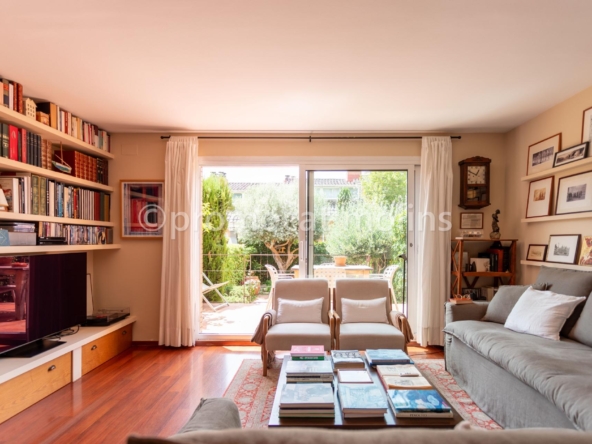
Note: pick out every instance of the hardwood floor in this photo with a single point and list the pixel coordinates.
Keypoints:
(146, 390)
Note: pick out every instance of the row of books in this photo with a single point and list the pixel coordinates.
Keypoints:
(28, 193)
(76, 234)
(24, 146)
(12, 95)
(85, 167)
(66, 122)
(350, 358)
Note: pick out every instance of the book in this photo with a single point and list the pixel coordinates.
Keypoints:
(307, 350)
(307, 396)
(311, 413)
(362, 400)
(5, 140)
(397, 370)
(354, 376)
(51, 110)
(387, 357)
(406, 383)
(347, 359)
(415, 401)
(10, 187)
(309, 368)
(308, 358)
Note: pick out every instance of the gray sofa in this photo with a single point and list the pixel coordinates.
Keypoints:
(521, 380)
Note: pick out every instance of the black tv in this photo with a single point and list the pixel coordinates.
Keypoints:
(39, 296)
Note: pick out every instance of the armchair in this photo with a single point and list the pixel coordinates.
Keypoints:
(355, 334)
(274, 334)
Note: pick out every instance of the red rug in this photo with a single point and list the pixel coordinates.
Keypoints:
(254, 393)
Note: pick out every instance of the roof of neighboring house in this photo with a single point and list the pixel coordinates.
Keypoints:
(242, 186)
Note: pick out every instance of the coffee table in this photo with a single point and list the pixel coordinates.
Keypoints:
(339, 422)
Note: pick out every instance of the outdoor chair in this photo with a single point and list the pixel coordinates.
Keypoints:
(331, 273)
(299, 321)
(388, 274)
(364, 316)
(275, 276)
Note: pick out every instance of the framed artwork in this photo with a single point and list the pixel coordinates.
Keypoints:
(471, 221)
(540, 194)
(570, 155)
(481, 264)
(542, 154)
(574, 194)
(586, 254)
(563, 248)
(142, 209)
(474, 293)
(587, 126)
(536, 253)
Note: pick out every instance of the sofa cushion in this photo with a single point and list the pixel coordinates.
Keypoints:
(503, 302)
(360, 336)
(559, 370)
(582, 332)
(363, 310)
(284, 336)
(542, 313)
(569, 282)
(291, 311)
(213, 414)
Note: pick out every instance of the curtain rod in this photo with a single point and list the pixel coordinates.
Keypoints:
(311, 138)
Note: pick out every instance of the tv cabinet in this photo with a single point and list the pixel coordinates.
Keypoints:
(25, 381)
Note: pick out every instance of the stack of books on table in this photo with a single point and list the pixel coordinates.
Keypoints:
(404, 376)
(307, 353)
(387, 357)
(315, 400)
(347, 359)
(309, 371)
(419, 404)
(362, 401)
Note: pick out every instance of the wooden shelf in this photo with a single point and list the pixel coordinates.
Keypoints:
(49, 133)
(484, 239)
(53, 249)
(9, 215)
(586, 215)
(554, 265)
(553, 171)
(13, 165)
(484, 273)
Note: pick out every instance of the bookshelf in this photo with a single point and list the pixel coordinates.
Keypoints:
(557, 217)
(8, 215)
(49, 249)
(47, 132)
(470, 278)
(553, 171)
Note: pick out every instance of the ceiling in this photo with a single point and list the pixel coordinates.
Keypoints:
(299, 65)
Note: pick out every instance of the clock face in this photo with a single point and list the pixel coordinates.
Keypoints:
(476, 175)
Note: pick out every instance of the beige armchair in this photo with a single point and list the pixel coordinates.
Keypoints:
(363, 335)
(277, 335)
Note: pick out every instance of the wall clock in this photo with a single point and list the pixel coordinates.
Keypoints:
(474, 183)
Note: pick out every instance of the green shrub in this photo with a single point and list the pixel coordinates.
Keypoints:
(242, 293)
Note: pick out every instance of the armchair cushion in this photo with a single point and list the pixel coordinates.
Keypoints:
(361, 335)
(363, 310)
(294, 311)
(303, 290)
(284, 336)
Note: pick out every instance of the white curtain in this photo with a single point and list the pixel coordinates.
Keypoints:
(433, 236)
(179, 291)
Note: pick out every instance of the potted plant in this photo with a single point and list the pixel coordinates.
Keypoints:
(253, 281)
(340, 260)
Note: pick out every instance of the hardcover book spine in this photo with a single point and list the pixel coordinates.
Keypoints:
(35, 194)
(13, 142)
(5, 140)
(24, 134)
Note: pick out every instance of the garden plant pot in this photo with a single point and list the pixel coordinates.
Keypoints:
(340, 260)
(255, 282)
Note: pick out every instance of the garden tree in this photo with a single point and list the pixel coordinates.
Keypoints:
(268, 213)
(344, 198)
(385, 187)
(217, 202)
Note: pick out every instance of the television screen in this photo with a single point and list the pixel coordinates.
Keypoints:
(40, 296)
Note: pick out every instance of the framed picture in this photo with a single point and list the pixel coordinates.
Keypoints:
(542, 154)
(470, 221)
(142, 209)
(540, 194)
(474, 293)
(570, 155)
(481, 264)
(587, 126)
(586, 254)
(574, 194)
(536, 253)
(563, 248)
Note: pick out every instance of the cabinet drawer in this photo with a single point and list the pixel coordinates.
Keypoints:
(100, 351)
(25, 390)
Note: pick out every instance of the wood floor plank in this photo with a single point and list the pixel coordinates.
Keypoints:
(146, 390)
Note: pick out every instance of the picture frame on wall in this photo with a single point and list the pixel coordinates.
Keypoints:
(574, 194)
(541, 155)
(587, 127)
(471, 221)
(540, 196)
(142, 209)
(586, 253)
(572, 154)
(536, 252)
(563, 248)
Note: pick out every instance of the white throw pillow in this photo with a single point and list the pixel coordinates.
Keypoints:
(542, 313)
(368, 310)
(290, 311)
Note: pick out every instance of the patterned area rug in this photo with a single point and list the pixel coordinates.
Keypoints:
(254, 393)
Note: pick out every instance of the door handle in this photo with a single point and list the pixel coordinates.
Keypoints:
(94, 347)
(52, 368)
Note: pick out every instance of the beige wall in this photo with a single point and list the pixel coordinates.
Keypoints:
(565, 118)
(131, 276)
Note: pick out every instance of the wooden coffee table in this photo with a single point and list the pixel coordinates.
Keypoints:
(338, 422)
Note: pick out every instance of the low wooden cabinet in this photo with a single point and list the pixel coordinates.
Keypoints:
(25, 390)
(101, 350)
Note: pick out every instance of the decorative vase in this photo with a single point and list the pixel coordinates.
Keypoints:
(340, 260)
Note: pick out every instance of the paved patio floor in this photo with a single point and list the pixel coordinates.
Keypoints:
(233, 320)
